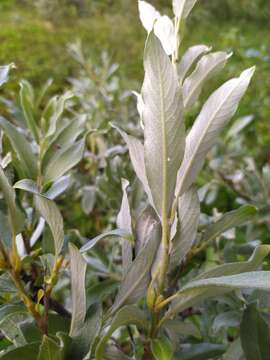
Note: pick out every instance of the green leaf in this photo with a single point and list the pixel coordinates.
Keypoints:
(22, 148)
(11, 316)
(28, 351)
(215, 114)
(229, 220)
(162, 349)
(16, 217)
(255, 334)
(83, 342)
(50, 212)
(78, 270)
(203, 351)
(118, 233)
(128, 315)
(234, 351)
(253, 262)
(134, 285)
(63, 160)
(27, 104)
(50, 350)
(66, 136)
(27, 185)
(164, 135)
(189, 216)
(197, 291)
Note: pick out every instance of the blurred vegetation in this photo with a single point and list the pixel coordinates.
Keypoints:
(36, 35)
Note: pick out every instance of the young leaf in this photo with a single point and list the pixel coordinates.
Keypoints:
(255, 334)
(16, 217)
(164, 30)
(78, 270)
(253, 262)
(50, 212)
(66, 136)
(215, 114)
(126, 316)
(164, 127)
(162, 349)
(4, 73)
(135, 283)
(189, 216)
(64, 160)
(182, 8)
(197, 291)
(22, 148)
(148, 15)
(207, 67)
(228, 221)
(189, 58)
(50, 350)
(26, 100)
(136, 153)
(123, 222)
(144, 226)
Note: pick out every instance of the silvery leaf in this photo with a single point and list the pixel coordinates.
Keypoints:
(163, 121)
(215, 114)
(148, 15)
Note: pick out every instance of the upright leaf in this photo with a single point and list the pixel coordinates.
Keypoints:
(189, 58)
(136, 153)
(50, 212)
(27, 104)
(63, 160)
(189, 216)
(128, 315)
(164, 30)
(162, 349)
(215, 114)
(50, 350)
(148, 15)
(255, 334)
(78, 270)
(16, 217)
(206, 68)
(145, 225)
(123, 222)
(182, 8)
(4, 73)
(164, 127)
(21, 147)
(136, 281)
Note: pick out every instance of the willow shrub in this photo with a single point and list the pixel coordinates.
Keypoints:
(156, 284)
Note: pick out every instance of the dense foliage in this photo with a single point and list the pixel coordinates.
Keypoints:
(135, 224)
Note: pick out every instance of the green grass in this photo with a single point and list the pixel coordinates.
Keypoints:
(39, 49)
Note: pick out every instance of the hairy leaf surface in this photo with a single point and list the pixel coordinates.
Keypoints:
(164, 128)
